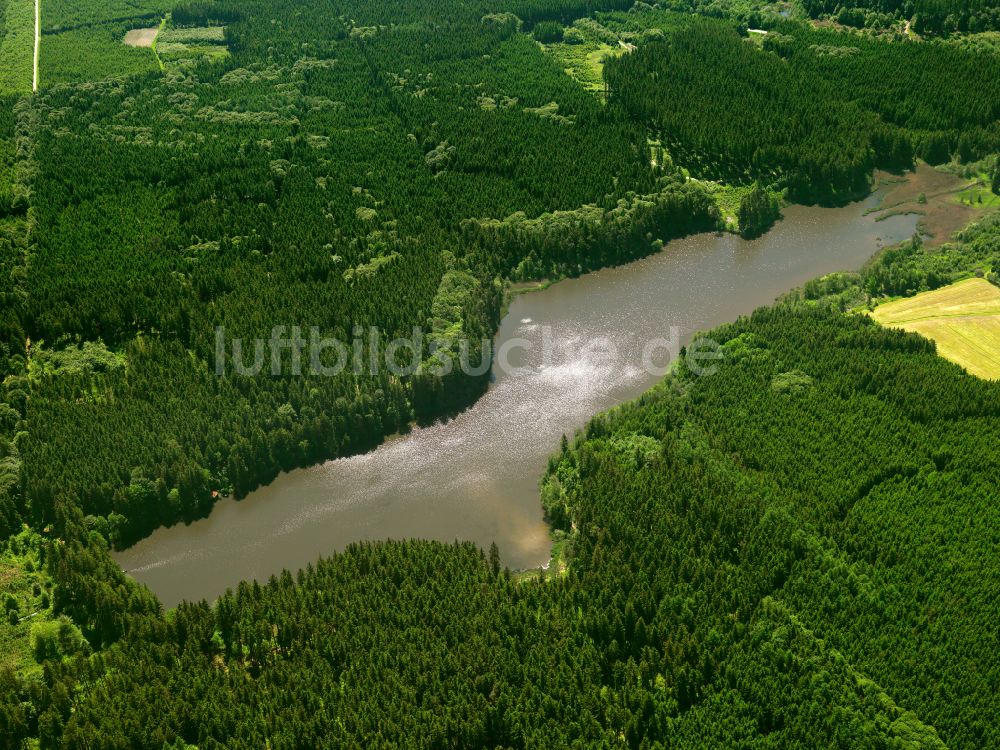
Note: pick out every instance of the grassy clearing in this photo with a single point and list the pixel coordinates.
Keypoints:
(727, 198)
(198, 35)
(141, 37)
(17, 46)
(979, 194)
(586, 47)
(963, 319)
(585, 62)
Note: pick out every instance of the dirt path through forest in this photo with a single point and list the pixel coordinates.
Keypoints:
(38, 41)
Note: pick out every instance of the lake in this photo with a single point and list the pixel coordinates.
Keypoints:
(476, 477)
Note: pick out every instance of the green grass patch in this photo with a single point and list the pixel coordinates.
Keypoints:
(17, 46)
(978, 195)
(584, 62)
(585, 48)
(156, 41)
(727, 198)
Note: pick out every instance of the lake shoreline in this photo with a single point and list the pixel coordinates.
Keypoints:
(147, 564)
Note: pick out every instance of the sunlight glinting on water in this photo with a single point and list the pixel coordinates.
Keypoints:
(476, 477)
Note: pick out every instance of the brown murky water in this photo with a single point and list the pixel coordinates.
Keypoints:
(476, 477)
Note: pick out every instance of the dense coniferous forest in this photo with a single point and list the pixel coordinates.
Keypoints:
(816, 115)
(753, 553)
(320, 162)
(797, 551)
(284, 188)
(758, 212)
(749, 115)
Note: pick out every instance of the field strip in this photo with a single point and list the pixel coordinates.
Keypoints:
(987, 314)
(38, 40)
(976, 346)
(962, 318)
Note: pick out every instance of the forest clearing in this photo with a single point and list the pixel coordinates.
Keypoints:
(141, 37)
(963, 319)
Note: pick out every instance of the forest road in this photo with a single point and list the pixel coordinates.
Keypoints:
(38, 40)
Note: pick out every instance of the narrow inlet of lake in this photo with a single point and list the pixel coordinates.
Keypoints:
(476, 477)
